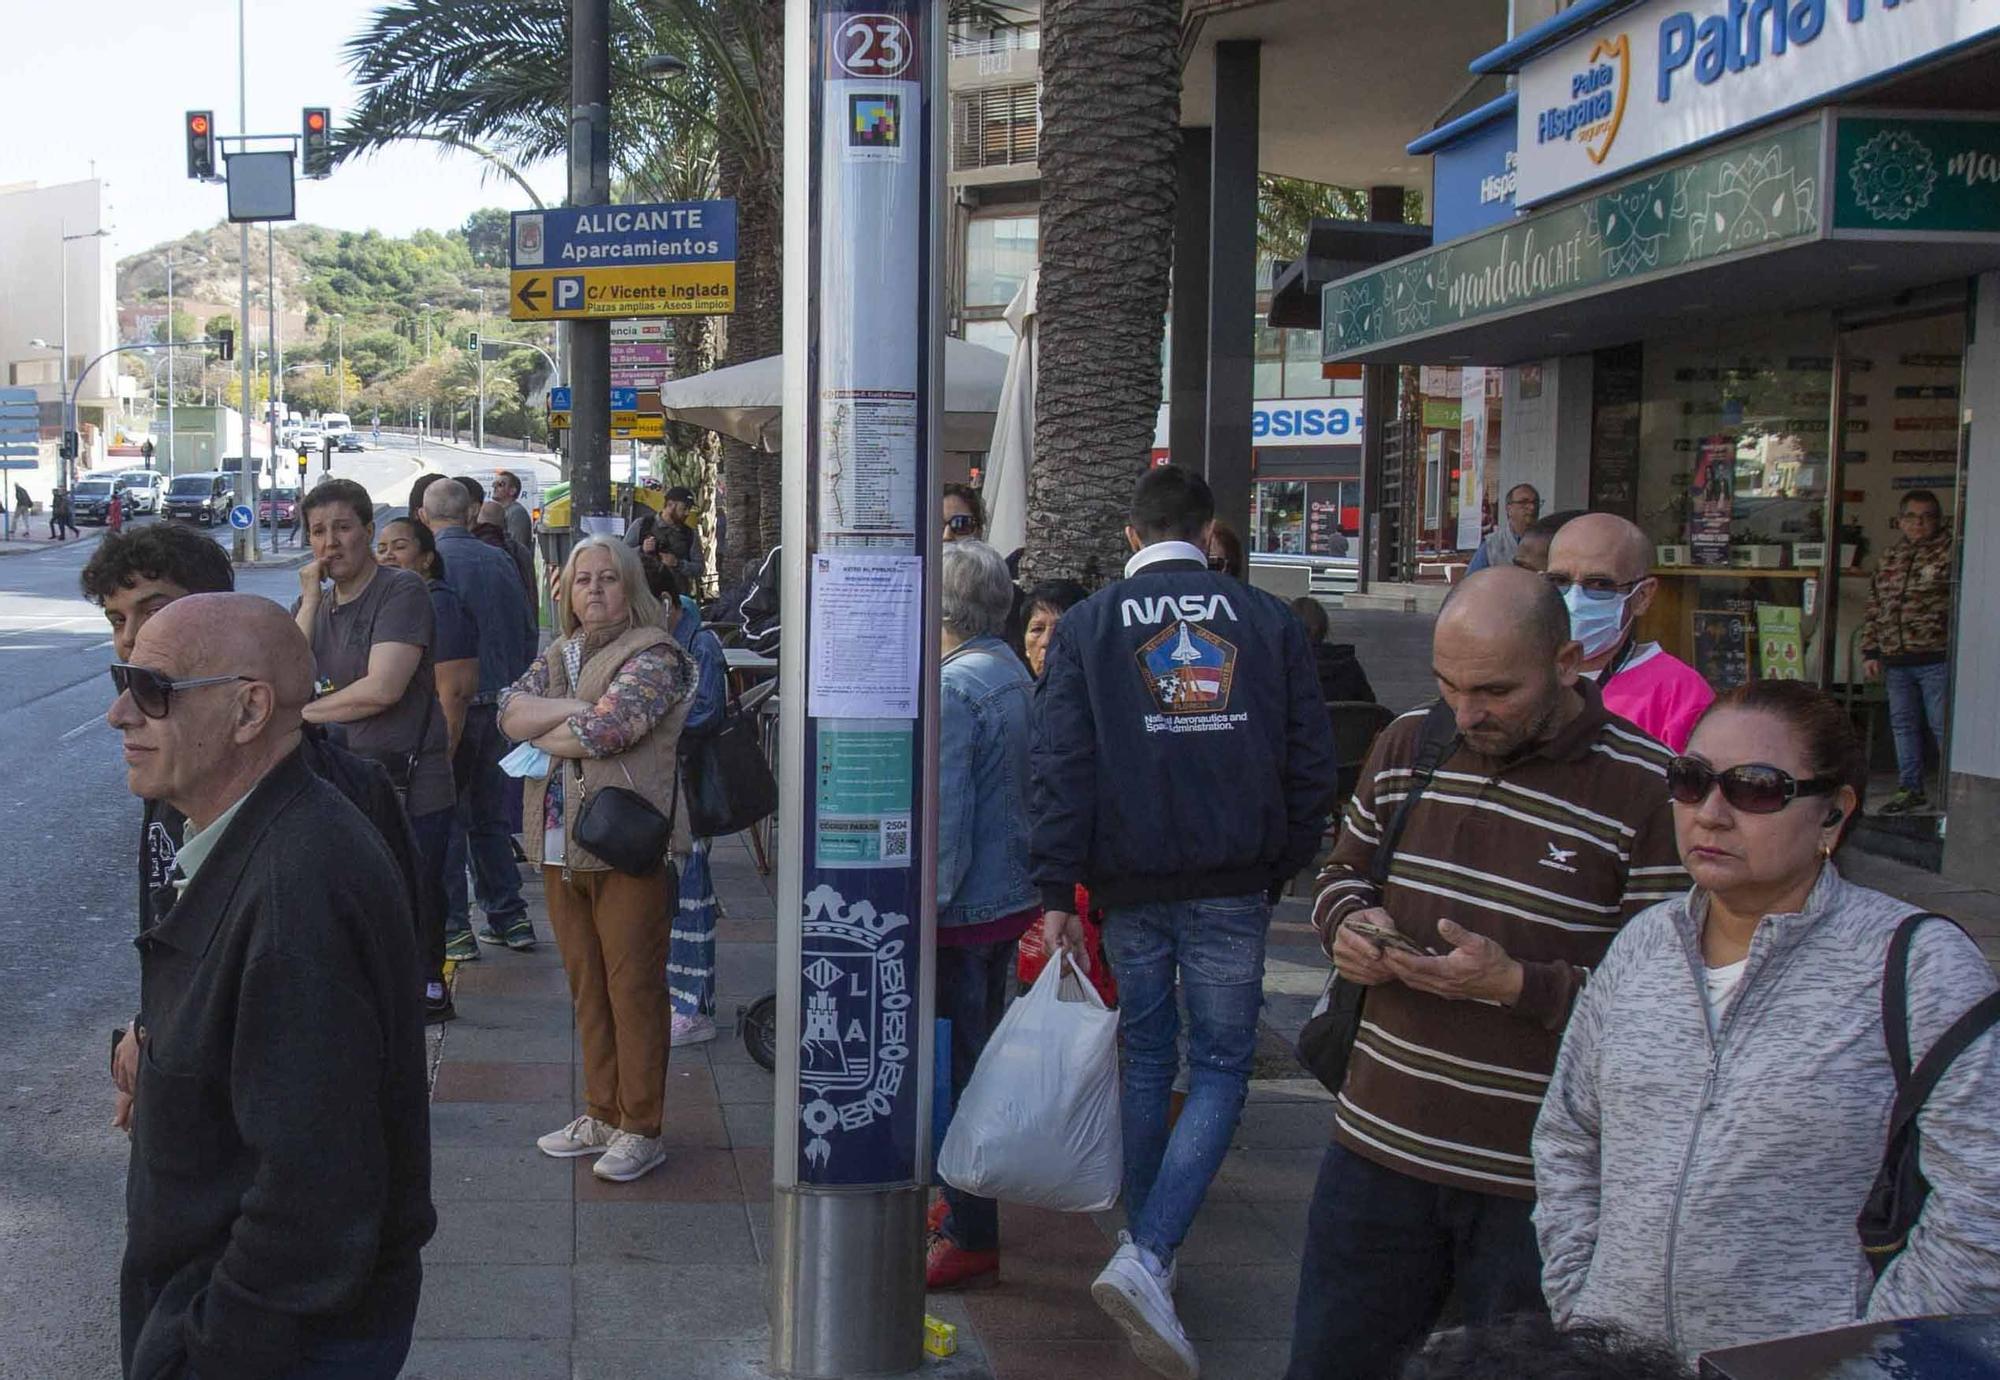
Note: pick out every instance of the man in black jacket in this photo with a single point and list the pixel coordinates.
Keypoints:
(279, 1189)
(1182, 771)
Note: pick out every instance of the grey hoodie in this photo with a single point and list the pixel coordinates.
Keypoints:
(1704, 1189)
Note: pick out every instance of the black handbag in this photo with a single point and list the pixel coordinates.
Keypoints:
(623, 828)
(1896, 1199)
(729, 785)
(1326, 1041)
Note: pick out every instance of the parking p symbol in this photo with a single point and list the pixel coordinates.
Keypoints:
(569, 293)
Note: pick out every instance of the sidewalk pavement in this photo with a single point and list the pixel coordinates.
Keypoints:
(539, 1270)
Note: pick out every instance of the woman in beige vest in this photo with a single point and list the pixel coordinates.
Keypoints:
(606, 702)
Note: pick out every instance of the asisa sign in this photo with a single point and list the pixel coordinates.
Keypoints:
(1306, 422)
(1667, 75)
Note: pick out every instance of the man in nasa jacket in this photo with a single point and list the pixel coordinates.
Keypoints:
(1182, 770)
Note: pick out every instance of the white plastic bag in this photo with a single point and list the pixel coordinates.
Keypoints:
(1038, 1122)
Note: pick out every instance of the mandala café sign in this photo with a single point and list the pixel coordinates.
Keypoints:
(1667, 75)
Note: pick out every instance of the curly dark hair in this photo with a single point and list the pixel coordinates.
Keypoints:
(1528, 1347)
(160, 551)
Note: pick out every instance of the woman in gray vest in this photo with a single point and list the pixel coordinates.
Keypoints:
(606, 703)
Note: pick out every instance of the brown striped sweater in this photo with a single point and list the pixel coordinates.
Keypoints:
(1548, 855)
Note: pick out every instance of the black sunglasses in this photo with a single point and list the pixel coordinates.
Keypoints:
(1756, 788)
(961, 523)
(152, 692)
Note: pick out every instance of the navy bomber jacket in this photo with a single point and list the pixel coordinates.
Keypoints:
(1181, 747)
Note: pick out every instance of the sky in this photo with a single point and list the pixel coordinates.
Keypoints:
(109, 83)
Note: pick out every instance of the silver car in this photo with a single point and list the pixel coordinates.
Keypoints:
(143, 489)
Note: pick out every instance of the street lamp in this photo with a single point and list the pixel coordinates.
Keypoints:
(69, 409)
(479, 420)
(340, 356)
(426, 308)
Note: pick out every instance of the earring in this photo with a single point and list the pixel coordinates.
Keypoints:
(1825, 851)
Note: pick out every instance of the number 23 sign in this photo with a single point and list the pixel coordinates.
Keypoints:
(873, 46)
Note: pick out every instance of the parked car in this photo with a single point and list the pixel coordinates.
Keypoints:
(142, 490)
(349, 441)
(202, 498)
(308, 439)
(90, 498)
(279, 505)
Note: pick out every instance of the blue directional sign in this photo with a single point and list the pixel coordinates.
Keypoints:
(657, 259)
(559, 399)
(20, 429)
(240, 517)
(624, 400)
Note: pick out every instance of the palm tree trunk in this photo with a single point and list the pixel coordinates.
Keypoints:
(1110, 139)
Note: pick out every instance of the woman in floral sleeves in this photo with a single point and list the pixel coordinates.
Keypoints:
(606, 702)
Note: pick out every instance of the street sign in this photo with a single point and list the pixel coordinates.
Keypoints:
(624, 332)
(559, 398)
(673, 258)
(624, 400)
(644, 426)
(559, 421)
(240, 517)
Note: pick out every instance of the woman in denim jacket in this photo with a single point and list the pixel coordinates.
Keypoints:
(985, 899)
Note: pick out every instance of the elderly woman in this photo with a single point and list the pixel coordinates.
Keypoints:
(984, 896)
(1044, 607)
(606, 703)
(1721, 1104)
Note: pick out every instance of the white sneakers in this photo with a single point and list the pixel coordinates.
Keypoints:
(692, 1030)
(630, 1157)
(584, 1136)
(1138, 1296)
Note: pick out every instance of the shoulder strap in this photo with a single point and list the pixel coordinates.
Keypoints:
(1896, 993)
(1437, 740)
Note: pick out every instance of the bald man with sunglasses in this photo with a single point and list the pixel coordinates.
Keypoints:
(279, 1189)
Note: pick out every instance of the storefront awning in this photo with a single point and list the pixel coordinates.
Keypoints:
(1833, 207)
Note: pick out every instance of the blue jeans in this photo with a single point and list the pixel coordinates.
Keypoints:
(481, 828)
(1384, 1250)
(1916, 695)
(1217, 948)
(433, 835)
(375, 1358)
(973, 981)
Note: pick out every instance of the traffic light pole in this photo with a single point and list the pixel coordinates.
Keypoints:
(590, 185)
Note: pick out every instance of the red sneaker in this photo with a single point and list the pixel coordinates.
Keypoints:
(935, 1219)
(947, 1267)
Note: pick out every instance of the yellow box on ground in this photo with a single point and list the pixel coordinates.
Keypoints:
(699, 289)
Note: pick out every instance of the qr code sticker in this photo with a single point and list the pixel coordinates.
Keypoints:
(896, 838)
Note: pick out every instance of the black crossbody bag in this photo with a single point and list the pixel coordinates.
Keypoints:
(1896, 1199)
(1326, 1041)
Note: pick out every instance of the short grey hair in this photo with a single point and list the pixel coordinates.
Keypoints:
(448, 501)
(976, 593)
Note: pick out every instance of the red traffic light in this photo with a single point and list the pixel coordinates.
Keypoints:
(199, 128)
(317, 141)
(315, 120)
(197, 124)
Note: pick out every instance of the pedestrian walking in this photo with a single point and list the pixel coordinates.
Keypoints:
(985, 898)
(24, 507)
(487, 585)
(1545, 826)
(691, 947)
(372, 632)
(278, 1195)
(114, 510)
(1601, 565)
(1906, 639)
(60, 513)
(1725, 1087)
(606, 703)
(1182, 769)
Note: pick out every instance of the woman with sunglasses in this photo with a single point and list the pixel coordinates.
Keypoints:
(1721, 1104)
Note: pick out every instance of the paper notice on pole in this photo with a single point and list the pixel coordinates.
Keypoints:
(862, 794)
(867, 458)
(866, 636)
(602, 525)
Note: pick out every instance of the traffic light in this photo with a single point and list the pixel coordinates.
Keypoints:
(70, 447)
(318, 128)
(225, 342)
(473, 337)
(200, 127)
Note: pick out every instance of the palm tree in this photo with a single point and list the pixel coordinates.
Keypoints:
(1110, 139)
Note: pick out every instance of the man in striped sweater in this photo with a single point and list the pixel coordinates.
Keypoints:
(1544, 829)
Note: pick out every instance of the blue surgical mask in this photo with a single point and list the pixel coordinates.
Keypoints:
(1596, 623)
(527, 761)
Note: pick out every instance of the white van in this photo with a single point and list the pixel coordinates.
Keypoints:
(335, 423)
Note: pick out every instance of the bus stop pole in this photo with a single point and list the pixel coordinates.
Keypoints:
(865, 128)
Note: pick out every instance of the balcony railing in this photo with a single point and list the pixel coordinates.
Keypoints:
(985, 42)
(995, 127)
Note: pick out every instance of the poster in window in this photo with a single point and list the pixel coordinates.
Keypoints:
(1722, 647)
(1780, 645)
(1711, 500)
(1323, 534)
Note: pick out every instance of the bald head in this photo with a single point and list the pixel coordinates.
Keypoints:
(231, 635)
(1507, 605)
(1601, 545)
(447, 503)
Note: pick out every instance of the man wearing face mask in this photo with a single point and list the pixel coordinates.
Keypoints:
(1599, 564)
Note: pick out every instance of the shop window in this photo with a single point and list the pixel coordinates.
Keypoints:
(994, 335)
(1280, 518)
(1302, 376)
(999, 256)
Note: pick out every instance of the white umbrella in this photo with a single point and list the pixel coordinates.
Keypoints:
(747, 400)
(1012, 452)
